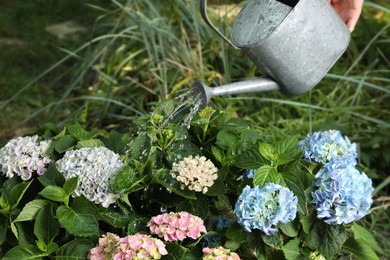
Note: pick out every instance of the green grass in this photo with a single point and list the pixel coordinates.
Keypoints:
(28, 49)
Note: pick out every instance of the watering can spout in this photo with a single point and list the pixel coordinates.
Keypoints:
(204, 93)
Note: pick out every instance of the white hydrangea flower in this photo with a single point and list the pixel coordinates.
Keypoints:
(96, 168)
(195, 173)
(24, 156)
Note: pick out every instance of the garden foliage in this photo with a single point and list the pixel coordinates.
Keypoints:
(215, 187)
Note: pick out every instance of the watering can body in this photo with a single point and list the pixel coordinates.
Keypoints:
(294, 46)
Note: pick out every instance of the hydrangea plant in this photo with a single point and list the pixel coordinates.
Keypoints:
(211, 186)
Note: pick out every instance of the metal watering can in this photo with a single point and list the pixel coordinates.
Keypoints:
(294, 42)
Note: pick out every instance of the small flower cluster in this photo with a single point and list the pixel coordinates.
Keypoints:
(176, 226)
(219, 253)
(24, 156)
(248, 174)
(323, 146)
(95, 168)
(138, 246)
(343, 194)
(196, 173)
(264, 208)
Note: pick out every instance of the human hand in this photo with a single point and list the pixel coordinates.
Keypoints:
(349, 11)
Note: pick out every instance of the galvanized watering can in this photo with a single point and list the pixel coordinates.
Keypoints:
(293, 42)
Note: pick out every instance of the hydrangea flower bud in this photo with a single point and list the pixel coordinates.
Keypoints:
(342, 194)
(219, 253)
(138, 246)
(95, 168)
(176, 226)
(264, 208)
(323, 146)
(195, 173)
(25, 157)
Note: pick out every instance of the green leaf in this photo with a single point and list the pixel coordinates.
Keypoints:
(51, 248)
(218, 153)
(17, 193)
(176, 252)
(222, 203)
(250, 135)
(268, 151)
(80, 218)
(25, 252)
(232, 245)
(225, 139)
(115, 219)
(89, 143)
(308, 222)
(78, 132)
(366, 236)
(182, 149)
(219, 187)
(327, 239)
(116, 141)
(198, 207)
(266, 174)
(64, 144)
(3, 228)
(140, 147)
(291, 250)
(70, 185)
(274, 240)
(164, 178)
(291, 181)
(360, 249)
(30, 210)
(257, 245)
(288, 149)
(137, 224)
(52, 177)
(249, 159)
(290, 229)
(236, 233)
(46, 226)
(76, 249)
(128, 181)
(54, 193)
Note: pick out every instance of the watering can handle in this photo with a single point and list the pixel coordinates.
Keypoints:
(203, 12)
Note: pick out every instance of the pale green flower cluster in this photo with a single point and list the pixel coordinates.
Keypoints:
(95, 168)
(219, 253)
(196, 173)
(24, 156)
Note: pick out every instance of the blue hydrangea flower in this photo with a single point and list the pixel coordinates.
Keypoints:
(342, 194)
(323, 146)
(264, 208)
(248, 174)
(222, 222)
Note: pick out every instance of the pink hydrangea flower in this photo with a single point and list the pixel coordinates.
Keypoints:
(176, 226)
(138, 246)
(219, 253)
